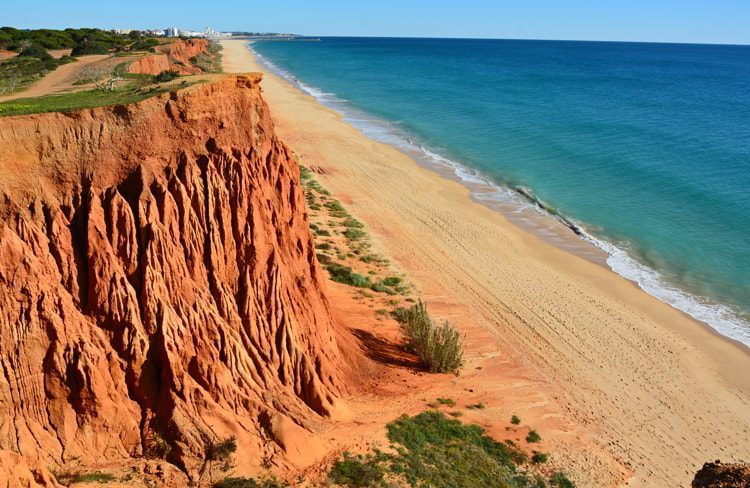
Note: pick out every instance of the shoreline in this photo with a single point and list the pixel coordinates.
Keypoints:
(523, 208)
(663, 395)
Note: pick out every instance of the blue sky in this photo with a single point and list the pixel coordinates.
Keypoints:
(719, 21)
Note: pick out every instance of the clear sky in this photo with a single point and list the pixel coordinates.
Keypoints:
(717, 21)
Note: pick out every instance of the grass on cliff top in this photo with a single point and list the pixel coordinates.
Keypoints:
(83, 99)
(433, 450)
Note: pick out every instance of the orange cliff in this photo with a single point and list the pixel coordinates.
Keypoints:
(175, 56)
(158, 280)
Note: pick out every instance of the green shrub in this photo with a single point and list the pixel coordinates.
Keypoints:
(476, 406)
(392, 281)
(515, 420)
(436, 451)
(93, 477)
(354, 234)
(155, 447)
(533, 437)
(242, 482)
(561, 481)
(352, 223)
(358, 471)
(86, 47)
(343, 274)
(336, 209)
(147, 44)
(166, 76)
(538, 458)
(35, 51)
(447, 401)
(439, 347)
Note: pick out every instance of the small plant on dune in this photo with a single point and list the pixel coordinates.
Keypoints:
(352, 223)
(93, 477)
(354, 234)
(216, 451)
(236, 482)
(392, 281)
(477, 406)
(155, 447)
(515, 420)
(561, 481)
(533, 437)
(538, 458)
(359, 471)
(447, 401)
(166, 76)
(439, 347)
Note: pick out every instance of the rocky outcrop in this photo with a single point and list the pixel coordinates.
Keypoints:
(721, 475)
(181, 52)
(158, 283)
(176, 56)
(152, 64)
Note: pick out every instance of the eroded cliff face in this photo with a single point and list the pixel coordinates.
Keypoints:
(176, 56)
(158, 280)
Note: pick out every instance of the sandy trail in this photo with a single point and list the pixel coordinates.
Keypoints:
(656, 390)
(60, 80)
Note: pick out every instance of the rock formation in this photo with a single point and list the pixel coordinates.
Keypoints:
(175, 56)
(722, 475)
(158, 283)
(153, 64)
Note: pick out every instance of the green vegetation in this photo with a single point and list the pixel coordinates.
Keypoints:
(146, 44)
(351, 222)
(80, 40)
(93, 477)
(515, 420)
(155, 447)
(432, 450)
(447, 401)
(359, 471)
(32, 63)
(83, 99)
(217, 451)
(438, 346)
(538, 457)
(476, 406)
(354, 234)
(209, 61)
(235, 482)
(344, 274)
(533, 437)
(561, 481)
(166, 76)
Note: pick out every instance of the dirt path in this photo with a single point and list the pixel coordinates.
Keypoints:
(60, 80)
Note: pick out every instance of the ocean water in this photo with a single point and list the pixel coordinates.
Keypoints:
(644, 149)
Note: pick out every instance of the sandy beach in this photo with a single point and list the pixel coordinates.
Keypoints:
(630, 390)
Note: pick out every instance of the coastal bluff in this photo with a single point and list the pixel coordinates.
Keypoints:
(159, 290)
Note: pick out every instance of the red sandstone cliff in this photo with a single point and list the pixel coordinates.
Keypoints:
(153, 64)
(176, 56)
(158, 280)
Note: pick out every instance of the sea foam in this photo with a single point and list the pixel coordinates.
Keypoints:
(521, 201)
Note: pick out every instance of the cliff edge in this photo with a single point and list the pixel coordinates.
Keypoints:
(159, 289)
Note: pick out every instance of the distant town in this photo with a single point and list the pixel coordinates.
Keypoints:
(207, 32)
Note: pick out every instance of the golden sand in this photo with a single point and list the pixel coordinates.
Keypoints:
(647, 392)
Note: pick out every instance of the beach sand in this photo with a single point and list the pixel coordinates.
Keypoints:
(623, 388)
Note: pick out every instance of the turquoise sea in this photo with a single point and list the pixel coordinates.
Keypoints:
(643, 148)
